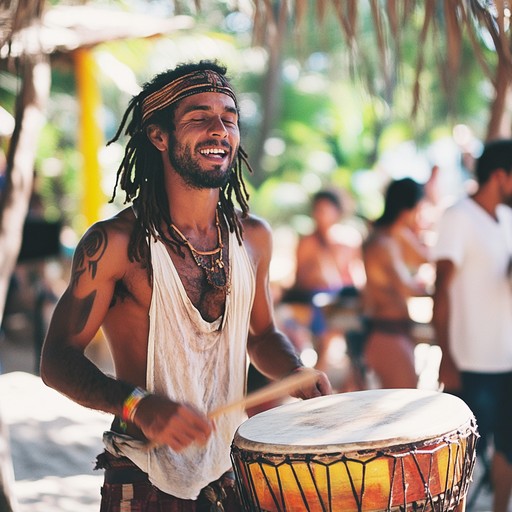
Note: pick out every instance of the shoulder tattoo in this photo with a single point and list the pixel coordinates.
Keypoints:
(89, 252)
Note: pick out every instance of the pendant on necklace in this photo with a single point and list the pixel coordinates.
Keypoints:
(214, 269)
(217, 278)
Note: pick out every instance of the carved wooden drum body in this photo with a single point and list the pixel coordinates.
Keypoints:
(402, 449)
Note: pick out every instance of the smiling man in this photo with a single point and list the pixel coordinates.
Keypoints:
(179, 283)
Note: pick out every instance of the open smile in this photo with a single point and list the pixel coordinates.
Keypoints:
(214, 153)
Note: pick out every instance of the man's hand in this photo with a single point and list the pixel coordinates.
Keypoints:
(449, 375)
(319, 386)
(176, 425)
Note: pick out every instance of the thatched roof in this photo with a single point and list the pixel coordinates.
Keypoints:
(16, 15)
(67, 28)
(446, 23)
(26, 28)
(449, 20)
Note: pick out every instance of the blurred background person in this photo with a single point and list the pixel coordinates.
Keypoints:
(393, 253)
(329, 270)
(473, 309)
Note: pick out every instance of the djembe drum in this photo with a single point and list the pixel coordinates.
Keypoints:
(402, 449)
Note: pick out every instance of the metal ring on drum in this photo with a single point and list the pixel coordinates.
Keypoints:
(387, 449)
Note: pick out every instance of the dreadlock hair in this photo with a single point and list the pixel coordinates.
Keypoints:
(141, 174)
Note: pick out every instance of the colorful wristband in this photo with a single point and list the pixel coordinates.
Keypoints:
(131, 403)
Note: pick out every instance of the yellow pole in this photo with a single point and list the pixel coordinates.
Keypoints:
(90, 134)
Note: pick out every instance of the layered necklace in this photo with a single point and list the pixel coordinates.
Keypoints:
(212, 262)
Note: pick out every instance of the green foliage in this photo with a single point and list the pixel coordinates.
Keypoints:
(334, 117)
(56, 175)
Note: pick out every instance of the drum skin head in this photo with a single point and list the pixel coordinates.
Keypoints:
(365, 451)
(355, 421)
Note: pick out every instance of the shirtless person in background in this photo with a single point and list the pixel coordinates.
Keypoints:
(391, 254)
(328, 261)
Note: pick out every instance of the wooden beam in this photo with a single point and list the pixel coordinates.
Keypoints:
(90, 134)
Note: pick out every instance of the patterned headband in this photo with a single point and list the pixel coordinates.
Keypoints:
(187, 85)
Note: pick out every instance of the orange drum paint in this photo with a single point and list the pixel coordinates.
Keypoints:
(356, 452)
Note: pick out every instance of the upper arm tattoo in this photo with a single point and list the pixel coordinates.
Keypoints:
(88, 254)
(84, 311)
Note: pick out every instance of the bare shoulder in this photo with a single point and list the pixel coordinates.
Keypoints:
(119, 226)
(257, 237)
(256, 227)
(378, 245)
(377, 240)
(106, 242)
(308, 239)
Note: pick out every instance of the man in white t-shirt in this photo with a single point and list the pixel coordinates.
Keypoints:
(473, 308)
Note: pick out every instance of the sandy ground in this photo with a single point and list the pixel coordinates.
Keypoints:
(54, 441)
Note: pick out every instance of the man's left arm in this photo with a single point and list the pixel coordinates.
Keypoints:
(270, 351)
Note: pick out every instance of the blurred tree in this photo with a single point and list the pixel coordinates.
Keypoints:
(34, 86)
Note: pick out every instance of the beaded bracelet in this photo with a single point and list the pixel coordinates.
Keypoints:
(131, 404)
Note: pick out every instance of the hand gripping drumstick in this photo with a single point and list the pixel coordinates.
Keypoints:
(274, 390)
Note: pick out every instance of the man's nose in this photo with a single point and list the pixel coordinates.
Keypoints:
(217, 127)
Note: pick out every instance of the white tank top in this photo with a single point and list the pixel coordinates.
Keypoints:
(198, 362)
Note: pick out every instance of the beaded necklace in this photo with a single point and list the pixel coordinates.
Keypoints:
(210, 261)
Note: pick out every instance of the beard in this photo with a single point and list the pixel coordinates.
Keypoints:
(506, 199)
(191, 171)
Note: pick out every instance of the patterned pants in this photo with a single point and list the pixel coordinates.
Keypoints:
(127, 489)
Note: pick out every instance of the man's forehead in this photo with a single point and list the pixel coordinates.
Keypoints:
(206, 101)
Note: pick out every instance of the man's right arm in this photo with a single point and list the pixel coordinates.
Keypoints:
(75, 321)
(100, 261)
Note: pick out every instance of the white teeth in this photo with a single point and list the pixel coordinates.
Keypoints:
(212, 151)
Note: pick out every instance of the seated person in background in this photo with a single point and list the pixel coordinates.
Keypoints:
(328, 261)
(392, 253)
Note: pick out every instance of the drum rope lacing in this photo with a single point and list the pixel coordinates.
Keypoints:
(460, 448)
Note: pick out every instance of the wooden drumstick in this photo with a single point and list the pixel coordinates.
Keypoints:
(272, 391)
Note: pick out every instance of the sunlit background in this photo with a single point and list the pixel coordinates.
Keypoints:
(316, 112)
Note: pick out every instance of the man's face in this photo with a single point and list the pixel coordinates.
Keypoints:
(206, 138)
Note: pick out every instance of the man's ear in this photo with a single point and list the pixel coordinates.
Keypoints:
(158, 137)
